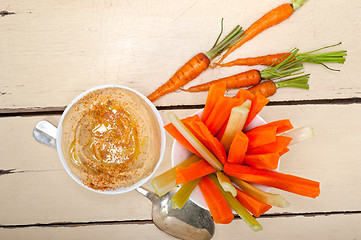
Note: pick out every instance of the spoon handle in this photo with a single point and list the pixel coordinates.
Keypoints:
(150, 195)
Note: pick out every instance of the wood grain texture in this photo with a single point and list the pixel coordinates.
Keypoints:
(299, 228)
(40, 191)
(53, 50)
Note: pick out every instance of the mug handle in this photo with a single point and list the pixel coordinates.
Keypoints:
(45, 133)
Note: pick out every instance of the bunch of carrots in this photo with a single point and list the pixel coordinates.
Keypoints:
(281, 65)
(228, 158)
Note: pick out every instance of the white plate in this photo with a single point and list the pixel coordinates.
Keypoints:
(180, 153)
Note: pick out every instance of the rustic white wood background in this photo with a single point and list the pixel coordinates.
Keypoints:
(50, 51)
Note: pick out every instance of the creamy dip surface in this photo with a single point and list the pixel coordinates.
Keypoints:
(111, 139)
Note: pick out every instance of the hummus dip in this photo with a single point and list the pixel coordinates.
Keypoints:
(111, 139)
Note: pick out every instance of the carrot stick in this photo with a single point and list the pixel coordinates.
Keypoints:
(172, 130)
(216, 146)
(268, 60)
(282, 125)
(258, 102)
(195, 66)
(166, 181)
(221, 131)
(285, 150)
(193, 171)
(243, 79)
(256, 207)
(220, 113)
(215, 92)
(237, 206)
(201, 132)
(259, 137)
(244, 95)
(238, 148)
(278, 146)
(218, 206)
(286, 182)
(273, 17)
(262, 160)
(204, 152)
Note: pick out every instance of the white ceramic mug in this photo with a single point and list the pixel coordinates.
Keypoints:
(122, 189)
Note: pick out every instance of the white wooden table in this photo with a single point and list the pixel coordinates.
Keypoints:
(50, 51)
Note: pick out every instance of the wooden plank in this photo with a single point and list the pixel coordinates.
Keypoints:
(331, 227)
(40, 191)
(53, 50)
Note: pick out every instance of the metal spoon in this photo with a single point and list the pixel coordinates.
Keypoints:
(190, 222)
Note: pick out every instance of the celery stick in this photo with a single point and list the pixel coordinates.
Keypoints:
(275, 200)
(226, 183)
(166, 181)
(299, 134)
(182, 195)
(238, 207)
(201, 149)
(235, 123)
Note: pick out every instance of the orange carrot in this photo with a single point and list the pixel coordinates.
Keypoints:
(285, 68)
(238, 148)
(243, 79)
(256, 207)
(193, 171)
(258, 102)
(172, 130)
(189, 71)
(262, 160)
(259, 137)
(244, 95)
(218, 206)
(282, 125)
(202, 133)
(269, 88)
(215, 145)
(278, 146)
(196, 65)
(285, 150)
(220, 113)
(221, 131)
(286, 182)
(273, 17)
(268, 60)
(215, 92)
(266, 89)
(308, 57)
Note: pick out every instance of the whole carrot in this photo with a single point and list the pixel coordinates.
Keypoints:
(196, 65)
(268, 60)
(273, 17)
(307, 57)
(287, 67)
(269, 88)
(243, 79)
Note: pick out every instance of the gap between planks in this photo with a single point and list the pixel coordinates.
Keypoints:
(38, 111)
(143, 222)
